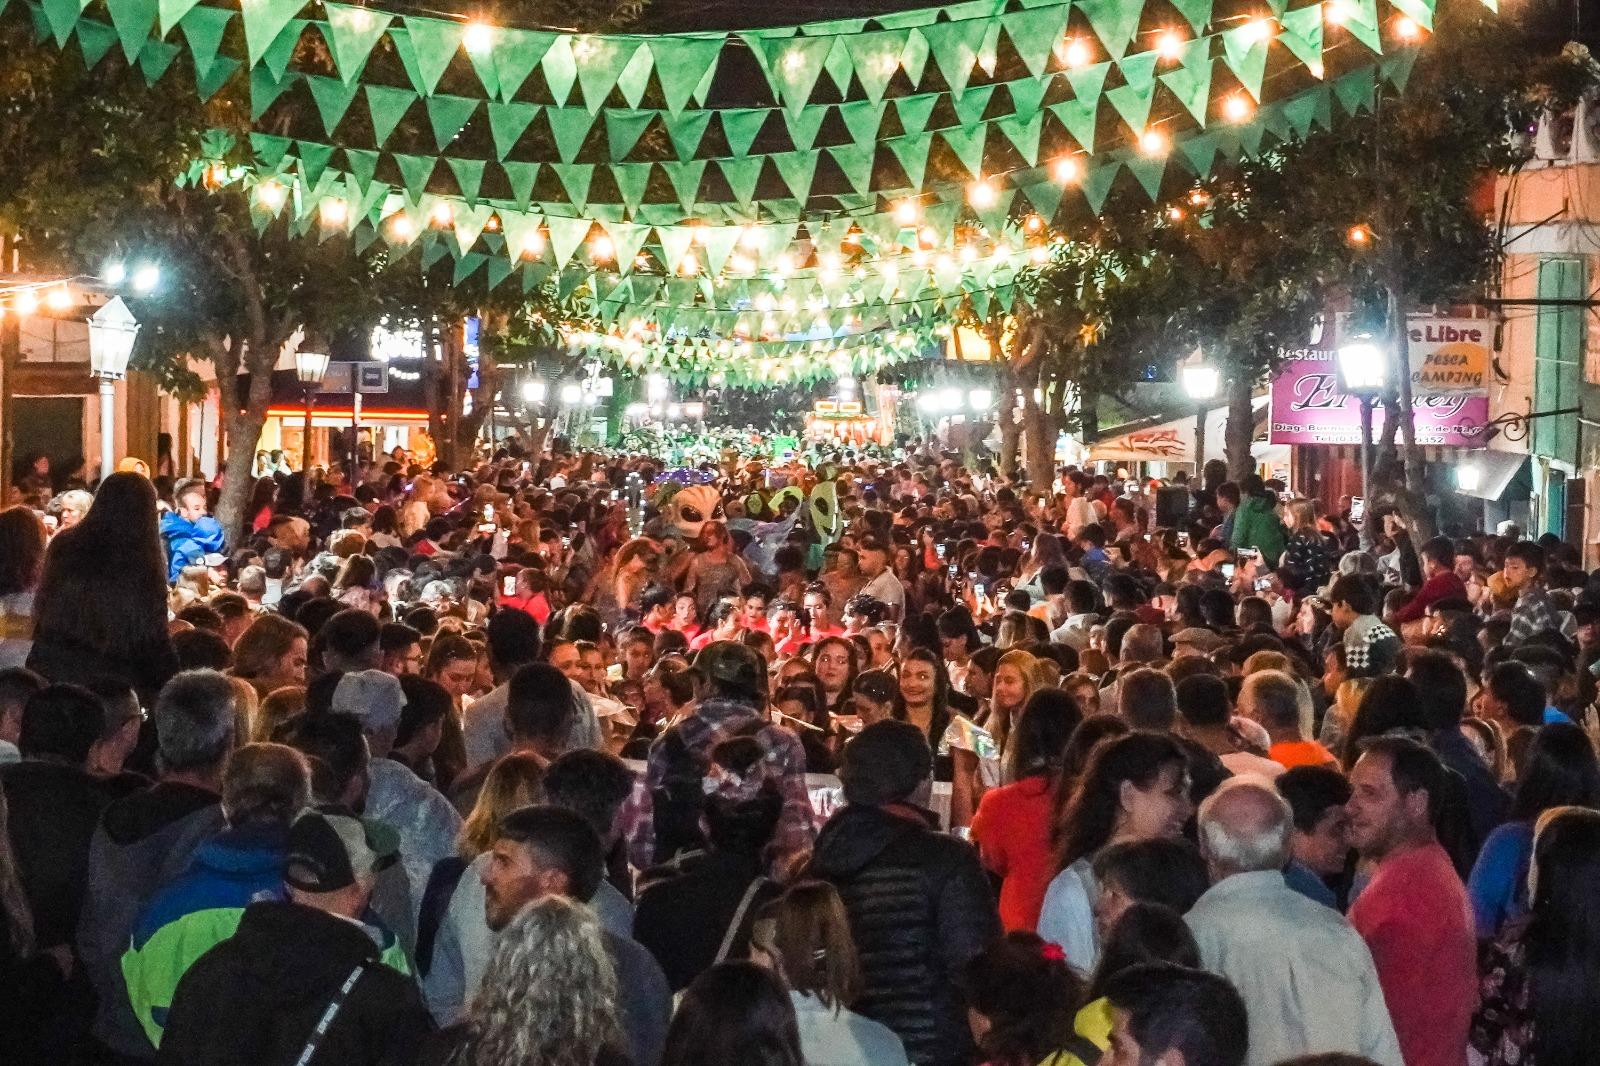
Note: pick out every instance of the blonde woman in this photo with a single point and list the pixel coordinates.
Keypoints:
(1016, 675)
(1341, 713)
(548, 997)
(281, 706)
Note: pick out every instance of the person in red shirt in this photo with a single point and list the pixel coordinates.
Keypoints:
(753, 607)
(656, 603)
(685, 616)
(1415, 914)
(723, 624)
(1012, 825)
(1439, 581)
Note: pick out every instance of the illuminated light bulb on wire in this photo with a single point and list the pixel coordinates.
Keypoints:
(602, 249)
(1039, 254)
(493, 225)
(1199, 198)
(891, 273)
(1175, 214)
(1154, 143)
(1033, 224)
(479, 37)
(907, 213)
(59, 298)
(927, 236)
(969, 254)
(1237, 108)
(1256, 30)
(146, 277)
(1336, 12)
(1359, 235)
(114, 274)
(1407, 28)
(27, 302)
(402, 228)
(784, 266)
(750, 237)
(689, 266)
(442, 214)
(1076, 53)
(334, 212)
(919, 259)
(982, 194)
(272, 194)
(533, 245)
(1169, 45)
(740, 263)
(1066, 170)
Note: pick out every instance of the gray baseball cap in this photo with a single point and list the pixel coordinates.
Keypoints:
(372, 696)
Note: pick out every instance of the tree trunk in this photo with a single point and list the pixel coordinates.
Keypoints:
(241, 419)
(1010, 428)
(1241, 426)
(1041, 426)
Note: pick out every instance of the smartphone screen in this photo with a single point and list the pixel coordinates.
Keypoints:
(1227, 571)
(953, 568)
(508, 586)
(1358, 510)
(1263, 584)
(1183, 540)
(939, 550)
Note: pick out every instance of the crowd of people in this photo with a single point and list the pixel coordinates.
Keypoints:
(570, 760)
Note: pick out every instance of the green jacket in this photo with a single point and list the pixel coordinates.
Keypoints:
(1256, 525)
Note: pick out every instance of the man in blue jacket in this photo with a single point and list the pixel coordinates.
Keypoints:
(189, 533)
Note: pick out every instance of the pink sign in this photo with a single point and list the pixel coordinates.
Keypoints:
(1308, 408)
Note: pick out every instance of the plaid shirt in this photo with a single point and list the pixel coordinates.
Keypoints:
(713, 722)
(1532, 614)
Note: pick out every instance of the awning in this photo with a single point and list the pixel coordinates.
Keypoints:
(1173, 441)
(1496, 471)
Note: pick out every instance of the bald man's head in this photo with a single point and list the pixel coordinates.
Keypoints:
(1245, 826)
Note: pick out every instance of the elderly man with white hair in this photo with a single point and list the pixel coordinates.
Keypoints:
(1305, 974)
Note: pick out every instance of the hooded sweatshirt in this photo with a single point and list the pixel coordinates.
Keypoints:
(920, 907)
(144, 841)
(272, 981)
(188, 543)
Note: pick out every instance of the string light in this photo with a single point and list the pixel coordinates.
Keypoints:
(1407, 28)
(1236, 108)
(1358, 235)
(493, 225)
(602, 249)
(1039, 254)
(442, 214)
(689, 266)
(1153, 143)
(334, 212)
(479, 37)
(273, 194)
(1175, 214)
(1336, 12)
(1169, 45)
(907, 213)
(401, 227)
(1033, 224)
(982, 194)
(1199, 198)
(968, 254)
(784, 266)
(1076, 54)
(927, 236)
(114, 274)
(59, 298)
(27, 302)
(532, 245)
(750, 236)
(1256, 30)
(1066, 170)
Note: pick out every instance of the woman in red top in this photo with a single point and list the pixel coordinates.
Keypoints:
(1012, 825)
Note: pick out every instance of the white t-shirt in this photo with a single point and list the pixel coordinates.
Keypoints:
(886, 588)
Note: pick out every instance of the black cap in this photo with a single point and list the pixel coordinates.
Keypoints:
(885, 763)
(733, 668)
(329, 848)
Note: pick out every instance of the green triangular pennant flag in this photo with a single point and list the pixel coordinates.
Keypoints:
(352, 33)
(1300, 111)
(1200, 149)
(521, 177)
(973, 103)
(469, 176)
(914, 111)
(627, 238)
(264, 88)
(1087, 82)
(676, 241)
(570, 127)
(1420, 11)
(719, 242)
(1034, 33)
(1196, 12)
(856, 162)
(171, 12)
(742, 176)
(685, 178)
(203, 29)
(1148, 170)
(624, 127)
(1096, 183)
(560, 69)
(1397, 66)
(1027, 94)
(566, 234)
(415, 170)
(1045, 197)
(1355, 90)
(516, 53)
(62, 16)
(803, 125)
(575, 179)
(264, 20)
(914, 57)
(133, 19)
(967, 144)
(862, 118)
(685, 131)
(1251, 134)
(332, 97)
(635, 77)
(1246, 55)
(95, 39)
(740, 126)
(468, 265)
(508, 122)
(269, 149)
(1361, 22)
(498, 271)
(387, 106)
(362, 164)
(522, 234)
(468, 222)
(955, 48)
(798, 169)
(876, 57)
(1302, 35)
(793, 65)
(994, 217)
(1113, 21)
(912, 152)
(1133, 99)
(281, 51)
(435, 42)
(480, 52)
(1191, 82)
(680, 63)
(632, 179)
(1023, 132)
(601, 61)
(839, 66)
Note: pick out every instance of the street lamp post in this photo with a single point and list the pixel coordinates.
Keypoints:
(310, 368)
(1200, 383)
(1364, 374)
(112, 331)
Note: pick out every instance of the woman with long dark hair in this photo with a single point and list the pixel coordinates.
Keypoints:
(836, 661)
(101, 608)
(1023, 997)
(22, 543)
(1012, 825)
(263, 496)
(1539, 981)
(734, 1014)
(1136, 787)
(1561, 771)
(925, 700)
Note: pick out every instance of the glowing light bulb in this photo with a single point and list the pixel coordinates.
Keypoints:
(907, 213)
(982, 194)
(334, 212)
(1175, 214)
(272, 194)
(919, 259)
(1153, 143)
(1039, 254)
(1407, 28)
(1033, 224)
(402, 228)
(1169, 45)
(27, 302)
(689, 266)
(59, 298)
(1358, 235)
(479, 37)
(927, 236)
(750, 237)
(1336, 12)
(442, 214)
(1076, 54)
(533, 245)
(1256, 30)
(784, 265)
(114, 274)
(741, 264)
(493, 225)
(146, 277)
(1236, 108)
(1066, 170)
(602, 249)
(968, 254)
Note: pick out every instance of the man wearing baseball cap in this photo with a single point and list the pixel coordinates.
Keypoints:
(304, 979)
(425, 820)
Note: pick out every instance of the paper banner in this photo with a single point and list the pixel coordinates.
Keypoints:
(521, 177)
(876, 57)
(967, 144)
(680, 63)
(507, 123)
(601, 61)
(203, 29)
(1246, 55)
(793, 66)
(352, 32)
(569, 126)
(797, 168)
(415, 171)
(955, 50)
(169, 13)
(96, 39)
(685, 178)
(1113, 21)
(263, 21)
(1302, 35)
(803, 126)
(632, 179)
(685, 131)
(1132, 100)
(516, 54)
(624, 127)
(1196, 12)
(387, 107)
(855, 161)
(435, 43)
(575, 179)
(914, 111)
(447, 115)
(332, 98)
(1191, 81)
(133, 21)
(742, 176)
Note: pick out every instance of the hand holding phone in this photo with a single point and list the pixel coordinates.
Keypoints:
(508, 585)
